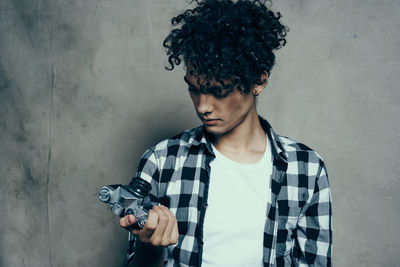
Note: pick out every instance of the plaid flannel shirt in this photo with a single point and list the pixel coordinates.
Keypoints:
(298, 230)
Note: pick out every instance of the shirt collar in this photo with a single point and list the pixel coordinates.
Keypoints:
(278, 151)
(201, 137)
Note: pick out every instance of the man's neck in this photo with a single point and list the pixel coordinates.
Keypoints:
(247, 137)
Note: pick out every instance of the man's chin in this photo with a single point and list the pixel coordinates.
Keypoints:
(215, 130)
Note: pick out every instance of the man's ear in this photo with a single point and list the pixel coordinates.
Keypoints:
(257, 89)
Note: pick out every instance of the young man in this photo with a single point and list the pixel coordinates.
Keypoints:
(231, 192)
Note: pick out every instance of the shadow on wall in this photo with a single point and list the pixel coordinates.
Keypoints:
(160, 124)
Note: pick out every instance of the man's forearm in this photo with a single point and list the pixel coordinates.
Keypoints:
(148, 255)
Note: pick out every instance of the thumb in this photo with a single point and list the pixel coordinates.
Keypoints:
(127, 221)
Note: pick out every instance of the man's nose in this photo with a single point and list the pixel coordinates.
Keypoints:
(205, 104)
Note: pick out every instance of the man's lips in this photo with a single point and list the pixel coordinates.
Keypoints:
(209, 121)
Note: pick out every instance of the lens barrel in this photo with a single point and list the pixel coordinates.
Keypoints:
(139, 187)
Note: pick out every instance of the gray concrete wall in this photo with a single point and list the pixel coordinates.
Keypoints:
(83, 92)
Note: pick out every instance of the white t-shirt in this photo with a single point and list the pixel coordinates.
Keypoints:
(236, 213)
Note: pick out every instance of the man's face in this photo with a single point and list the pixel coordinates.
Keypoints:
(220, 115)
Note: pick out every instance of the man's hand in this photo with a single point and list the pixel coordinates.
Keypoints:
(161, 228)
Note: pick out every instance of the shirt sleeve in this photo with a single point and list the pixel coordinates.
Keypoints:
(148, 170)
(314, 233)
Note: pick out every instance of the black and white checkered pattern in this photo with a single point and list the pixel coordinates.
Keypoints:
(298, 229)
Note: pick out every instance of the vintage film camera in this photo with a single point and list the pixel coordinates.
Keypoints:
(129, 199)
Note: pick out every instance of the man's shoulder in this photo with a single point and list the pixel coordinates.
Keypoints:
(304, 164)
(297, 151)
(291, 149)
(186, 138)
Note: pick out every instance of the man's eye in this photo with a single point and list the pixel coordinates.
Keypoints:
(222, 94)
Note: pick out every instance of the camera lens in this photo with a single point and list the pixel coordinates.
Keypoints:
(140, 187)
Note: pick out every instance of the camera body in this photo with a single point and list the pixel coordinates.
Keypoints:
(129, 199)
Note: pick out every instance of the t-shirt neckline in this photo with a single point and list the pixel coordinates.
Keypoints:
(243, 165)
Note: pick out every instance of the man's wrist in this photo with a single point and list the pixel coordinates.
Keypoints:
(148, 255)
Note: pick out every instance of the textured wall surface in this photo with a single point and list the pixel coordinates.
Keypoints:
(83, 92)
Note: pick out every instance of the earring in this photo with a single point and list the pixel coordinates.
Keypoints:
(255, 93)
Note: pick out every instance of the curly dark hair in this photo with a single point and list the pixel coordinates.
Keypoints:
(226, 40)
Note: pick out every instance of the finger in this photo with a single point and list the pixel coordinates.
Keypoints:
(152, 220)
(163, 219)
(175, 233)
(149, 228)
(167, 237)
(127, 221)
